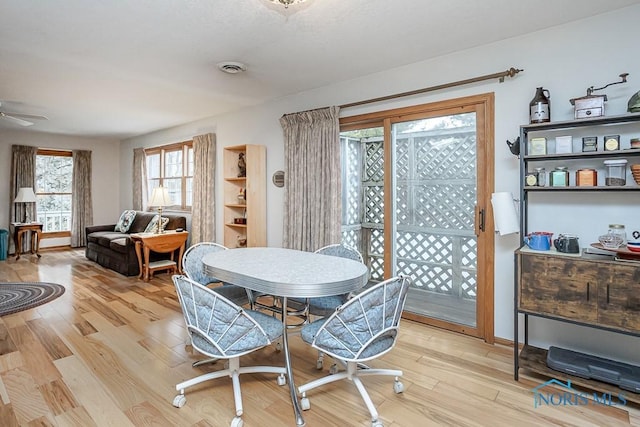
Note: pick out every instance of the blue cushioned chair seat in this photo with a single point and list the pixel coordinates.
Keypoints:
(272, 325)
(237, 294)
(308, 332)
(363, 327)
(323, 306)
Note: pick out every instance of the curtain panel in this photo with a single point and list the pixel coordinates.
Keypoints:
(81, 200)
(203, 204)
(140, 190)
(312, 203)
(23, 174)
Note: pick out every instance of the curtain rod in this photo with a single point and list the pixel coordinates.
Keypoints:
(501, 75)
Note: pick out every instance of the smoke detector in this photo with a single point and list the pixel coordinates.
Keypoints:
(231, 67)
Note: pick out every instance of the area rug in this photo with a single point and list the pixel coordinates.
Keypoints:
(15, 297)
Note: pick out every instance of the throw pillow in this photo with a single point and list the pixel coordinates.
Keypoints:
(152, 227)
(125, 221)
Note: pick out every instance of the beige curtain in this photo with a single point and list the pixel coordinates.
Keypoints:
(81, 201)
(23, 174)
(204, 171)
(139, 180)
(312, 205)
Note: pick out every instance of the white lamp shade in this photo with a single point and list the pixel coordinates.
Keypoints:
(160, 197)
(25, 195)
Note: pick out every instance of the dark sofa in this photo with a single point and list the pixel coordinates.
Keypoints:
(115, 250)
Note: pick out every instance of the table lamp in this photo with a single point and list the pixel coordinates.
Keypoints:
(160, 198)
(26, 195)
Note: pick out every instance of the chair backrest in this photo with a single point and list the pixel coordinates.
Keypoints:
(341, 250)
(192, 261)
(366, 326)
(218, 327)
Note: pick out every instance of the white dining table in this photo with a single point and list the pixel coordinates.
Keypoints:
(287, 273)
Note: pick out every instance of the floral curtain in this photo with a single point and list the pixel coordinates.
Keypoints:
(203, 205)
(312, 204)
(81, 201)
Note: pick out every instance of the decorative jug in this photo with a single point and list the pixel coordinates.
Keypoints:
(540, 106)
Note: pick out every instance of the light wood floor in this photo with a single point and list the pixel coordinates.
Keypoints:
(111, 349)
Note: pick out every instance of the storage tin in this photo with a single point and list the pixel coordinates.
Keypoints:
(586, 177)
(559, 177)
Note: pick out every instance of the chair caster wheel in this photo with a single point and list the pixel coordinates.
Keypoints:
(282, 380)
(237, 422)
(319, 365)
(304, 404)
(377, 423)
(278, 347)
(179, 401)
(398, 387)
(333, 369)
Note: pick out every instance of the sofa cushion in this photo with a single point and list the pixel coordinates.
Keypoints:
(141, 222)
(119, 245)
(104, 238)
(125, 221)
(152, 227)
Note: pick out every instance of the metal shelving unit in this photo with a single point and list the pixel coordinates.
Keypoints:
(530, 357)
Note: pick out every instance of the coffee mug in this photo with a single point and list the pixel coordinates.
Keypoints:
(539, 241)
(567, 243)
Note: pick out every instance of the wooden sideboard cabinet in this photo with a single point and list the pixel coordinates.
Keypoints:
(594, 293)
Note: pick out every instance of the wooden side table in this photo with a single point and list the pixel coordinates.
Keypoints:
(166, 242)
(19, 229)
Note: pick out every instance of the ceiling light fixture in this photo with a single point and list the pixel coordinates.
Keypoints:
(286, 3)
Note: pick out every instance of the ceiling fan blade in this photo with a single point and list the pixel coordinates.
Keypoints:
(26, 116)
(15, 119)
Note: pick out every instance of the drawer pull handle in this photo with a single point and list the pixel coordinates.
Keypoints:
(588, 290)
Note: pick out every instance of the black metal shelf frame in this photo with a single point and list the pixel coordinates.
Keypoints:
(524, 191)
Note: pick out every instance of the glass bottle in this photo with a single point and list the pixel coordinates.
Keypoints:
(540, 107)
(542, 177)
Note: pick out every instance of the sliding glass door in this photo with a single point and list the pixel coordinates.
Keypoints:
(415, 191)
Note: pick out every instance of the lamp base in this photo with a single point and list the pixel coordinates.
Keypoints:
(160, 229)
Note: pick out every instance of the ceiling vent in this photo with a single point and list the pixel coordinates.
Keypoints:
(232, 67)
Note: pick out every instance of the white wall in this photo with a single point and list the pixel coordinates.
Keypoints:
(565, 60)
(105, 173)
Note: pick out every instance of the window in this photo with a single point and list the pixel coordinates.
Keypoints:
(54, 173)
(171, 166)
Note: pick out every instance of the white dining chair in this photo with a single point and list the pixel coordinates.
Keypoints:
(220, 329)
(324, 306)
(362, 329)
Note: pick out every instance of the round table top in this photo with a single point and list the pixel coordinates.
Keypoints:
(287, 272)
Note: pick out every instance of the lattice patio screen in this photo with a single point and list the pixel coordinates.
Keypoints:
(435, 181)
